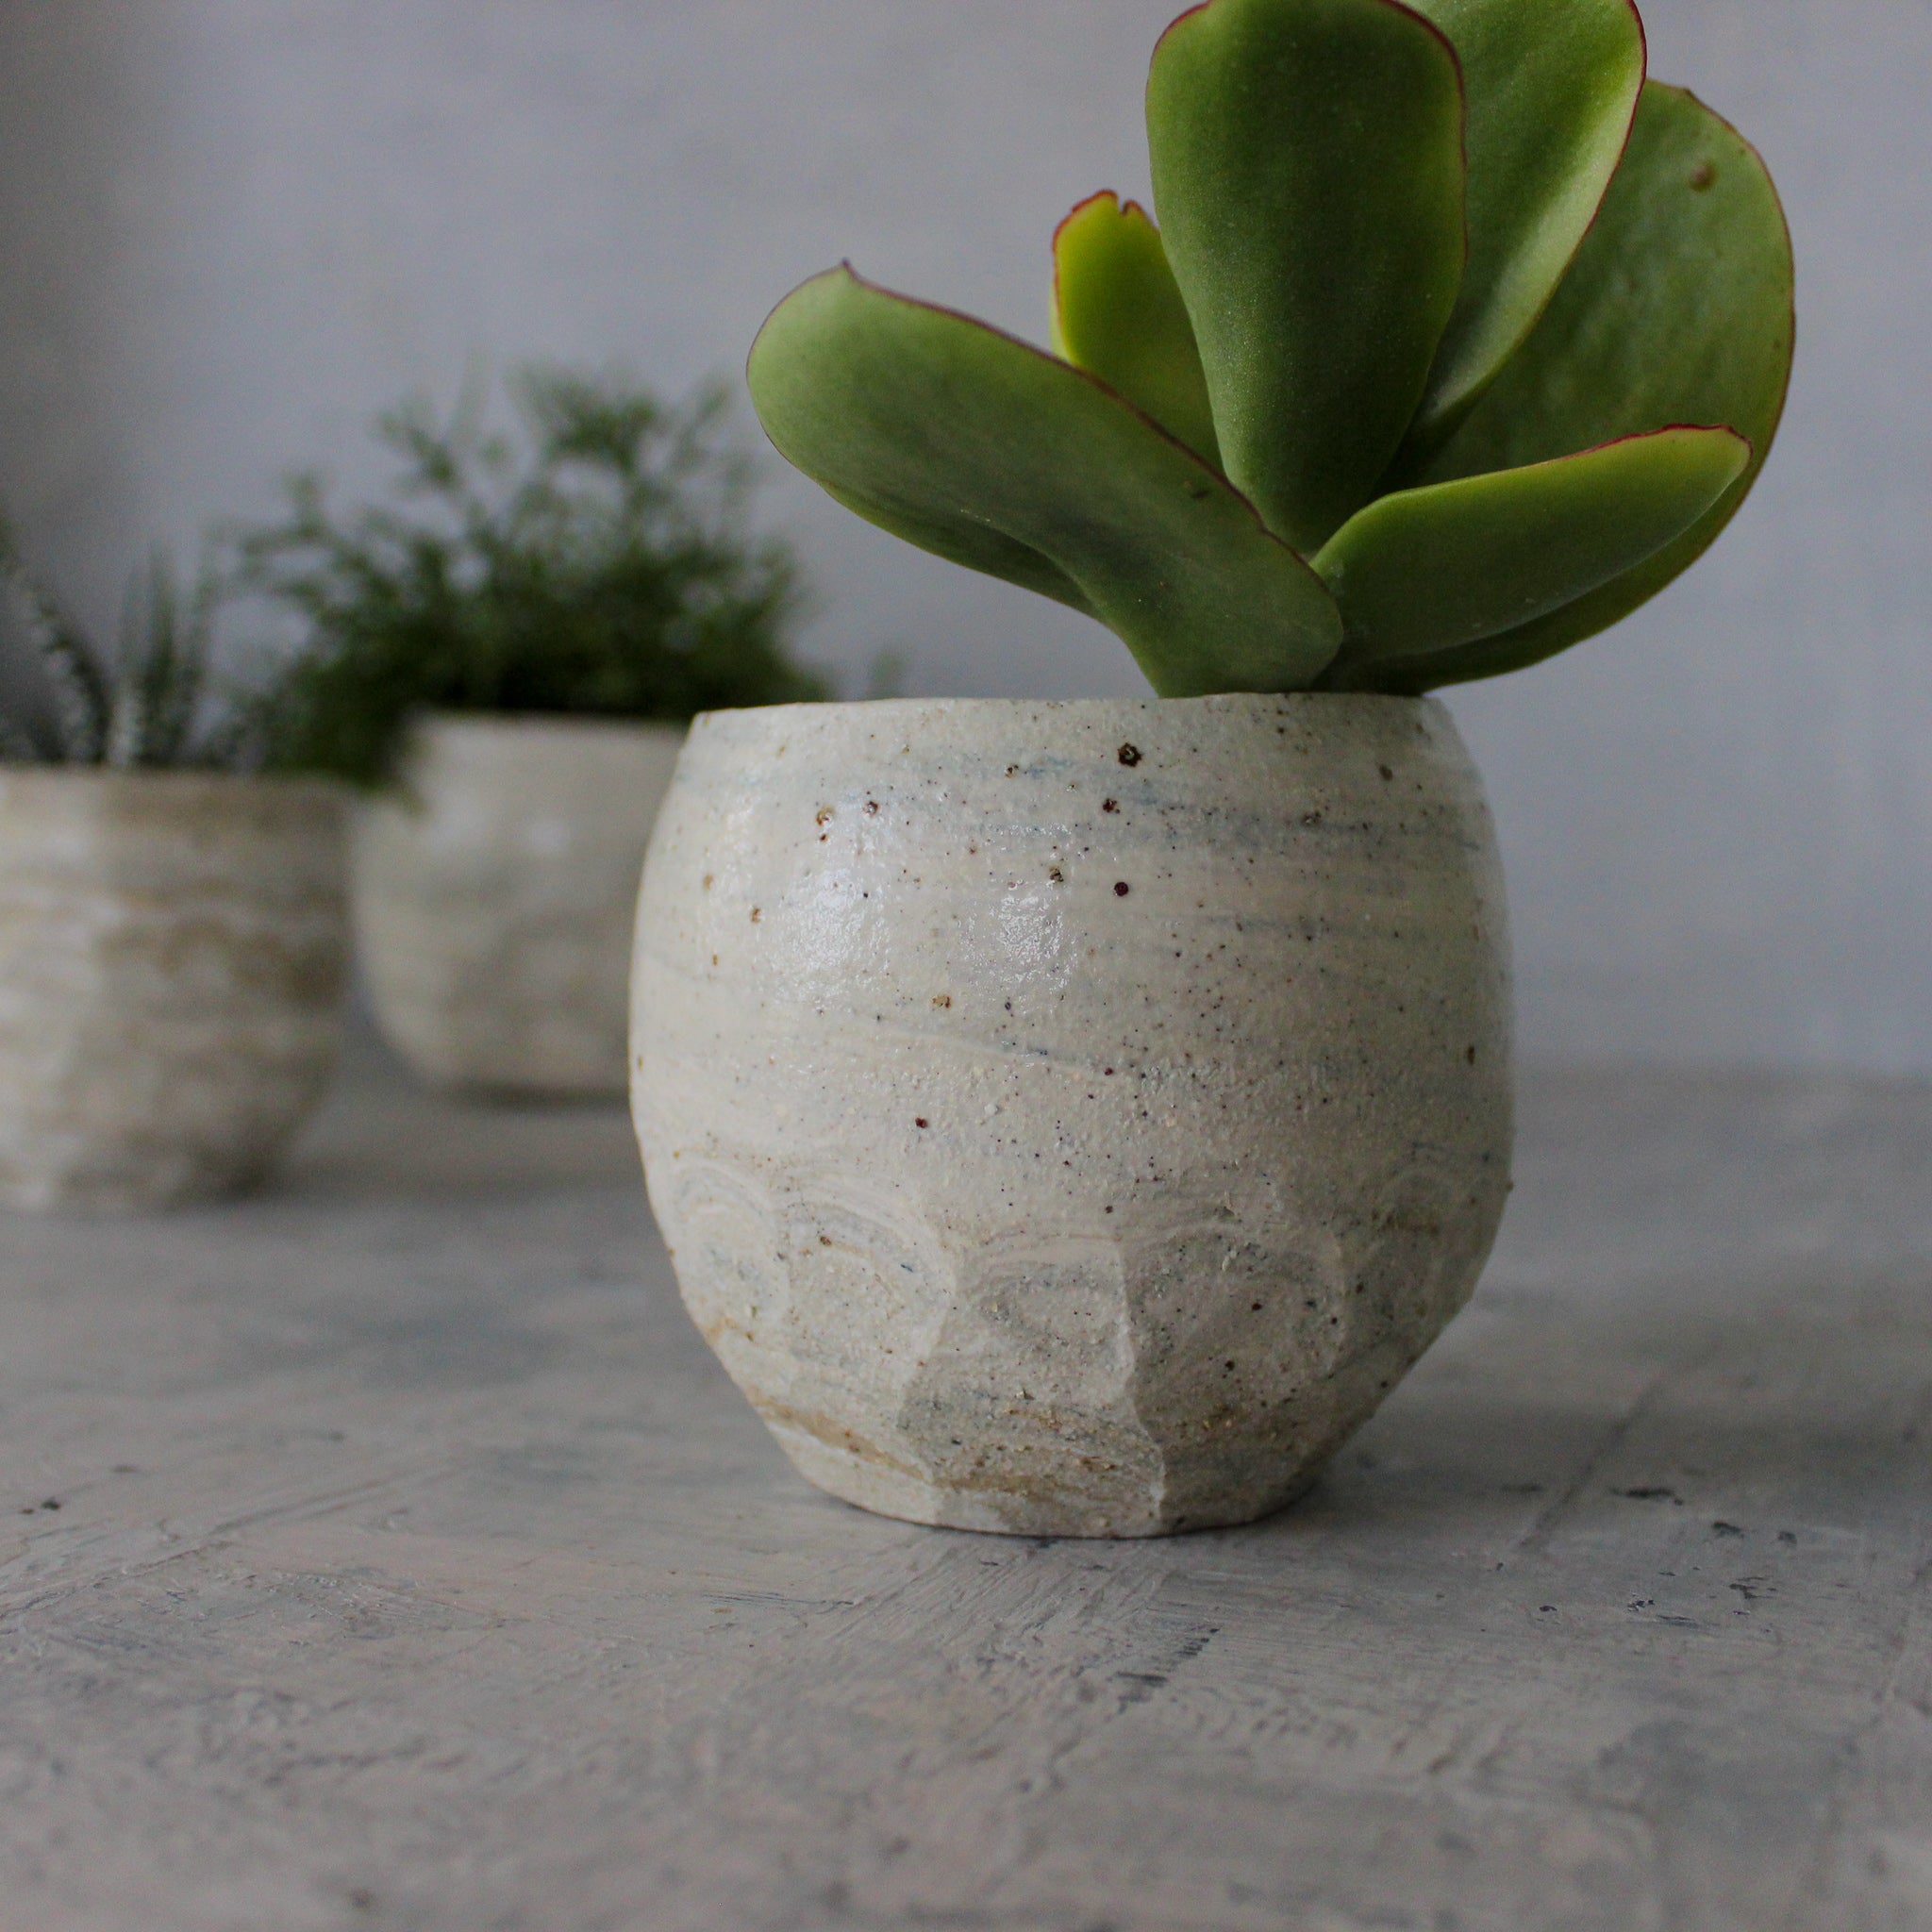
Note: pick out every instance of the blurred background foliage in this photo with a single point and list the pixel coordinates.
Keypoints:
(594, 558)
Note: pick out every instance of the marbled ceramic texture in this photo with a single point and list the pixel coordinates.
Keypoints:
(1074, 1119)
(495, 890)
(172, 952)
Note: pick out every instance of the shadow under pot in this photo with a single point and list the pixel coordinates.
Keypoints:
(174, 950)
(496, 885)
(1074, 1119)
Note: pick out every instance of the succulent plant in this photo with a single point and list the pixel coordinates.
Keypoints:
(1459, 340)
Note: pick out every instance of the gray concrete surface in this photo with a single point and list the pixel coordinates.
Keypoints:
(236, 229)
(387, 1552)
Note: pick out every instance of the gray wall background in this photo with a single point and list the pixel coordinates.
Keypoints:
(232, 229)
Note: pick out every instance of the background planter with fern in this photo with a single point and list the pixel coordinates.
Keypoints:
(503, 658)
(173, 929)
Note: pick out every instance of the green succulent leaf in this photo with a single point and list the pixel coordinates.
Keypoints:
(1550, 86)
(1678, 309)
(1451, 563)
(1118, 314)
(1308, 176)
(995, 455)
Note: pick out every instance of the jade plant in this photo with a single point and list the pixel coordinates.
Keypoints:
(1458, 339)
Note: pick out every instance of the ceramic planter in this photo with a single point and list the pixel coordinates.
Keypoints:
(1074, 1119)
(495, 888)
(172, 952)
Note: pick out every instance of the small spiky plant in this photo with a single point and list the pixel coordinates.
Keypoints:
(152, 702)
(1458, 340)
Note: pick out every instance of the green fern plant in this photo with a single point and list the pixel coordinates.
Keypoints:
(153, 701)
(596, 561)
(1458, 339)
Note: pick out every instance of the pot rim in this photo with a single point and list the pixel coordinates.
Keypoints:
(1006, 707)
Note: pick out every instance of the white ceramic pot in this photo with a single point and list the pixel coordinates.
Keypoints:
(495, 888)
(174, 947)
(1074, 1119)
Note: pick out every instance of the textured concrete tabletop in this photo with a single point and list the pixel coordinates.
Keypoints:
(387, 1551)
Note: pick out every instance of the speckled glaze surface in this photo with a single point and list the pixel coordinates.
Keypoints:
(1074, 1119)
(174, 947)
(495, 891)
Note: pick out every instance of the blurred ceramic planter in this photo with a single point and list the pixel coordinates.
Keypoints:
(173, 953)
(1074, 1119)
(495, 888)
